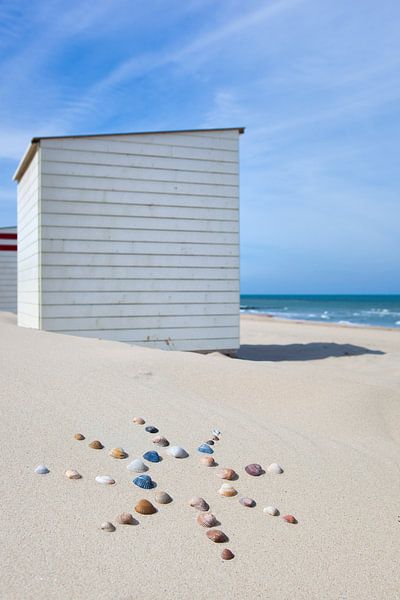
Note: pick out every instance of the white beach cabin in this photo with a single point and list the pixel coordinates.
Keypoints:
(8, 269)
(132, 237)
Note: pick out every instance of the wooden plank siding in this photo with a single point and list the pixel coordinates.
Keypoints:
(8, 269)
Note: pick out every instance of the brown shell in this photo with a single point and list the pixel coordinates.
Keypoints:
(96, 445)
(227, 490)
(144, 507)
(208, 461)
(215, 438)
(217, 536)
(206, 520)
(79, 436)
(290, 519)
(199, 504)
(138, 421)
(118, 453)
(227, 554)
(161, 441)
(227, 474)
(125, 518)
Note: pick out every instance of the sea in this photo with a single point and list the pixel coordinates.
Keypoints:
(382, 311)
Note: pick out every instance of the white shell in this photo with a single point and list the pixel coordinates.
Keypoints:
(177, 452)
(271, 510)
(227, 490)
(137, 466)
(216, 432)
(42, 470)
(275, 468)
(107, 526)
(105, 479)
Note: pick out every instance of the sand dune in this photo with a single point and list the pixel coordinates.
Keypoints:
(323, 401)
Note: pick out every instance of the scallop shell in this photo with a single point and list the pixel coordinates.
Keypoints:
(216, 536)
(206, 520)
(105, 479)
(216, 432)
(271, 510)
(249, 502)
(208, 461)
(138, 421)
(151, 429)
(144, 481)
(199, 504)
(107, 526)
(144, 507)
(290, 519)
(118, 453)
(152, 456)
(125, 518)
(160, 441)
(162, 498)
(227, 490)
(177, 452)
(42, 470)
(254, 469)
(227, 554)
(275, 468)
(72, 474)
(137, 466)
(205, 448)
(79, 436)
(96, 445)
(228, 474)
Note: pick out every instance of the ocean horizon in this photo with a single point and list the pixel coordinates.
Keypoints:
(346, 309)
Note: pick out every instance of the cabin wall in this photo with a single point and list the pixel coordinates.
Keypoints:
(140, 238)
(8, 269)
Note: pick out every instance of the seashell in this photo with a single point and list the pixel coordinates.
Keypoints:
(163, 498)
(216, 432)
(227, 554)
(227, 474)
(105, 479)
(160, 441)
(144, 481)
(177, 452)
(271, 510)
(118, 453)
(151, 429)
(205, 448)
(290, 519)
(215, 438)
(210, 442)
(72, 474)
(249, 502)
(144, 507)
(138, 421)
(96, 445)
(275, 468)
(125, 518)
(42, 470)
(152, 456)
(254, 469)
(107, 526)
(137, 466)
(216, 536)
(208, 461)
(79, 436)
(227, 490)
(199, 504)
(206, 520)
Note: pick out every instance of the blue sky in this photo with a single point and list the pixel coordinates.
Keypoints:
(315, 82)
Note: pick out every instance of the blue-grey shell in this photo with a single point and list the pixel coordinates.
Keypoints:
(144, 481)
(152, 456)
(151, 429)
(206, 449)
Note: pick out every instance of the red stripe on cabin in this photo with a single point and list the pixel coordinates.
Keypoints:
(4, 248)
(8, 236)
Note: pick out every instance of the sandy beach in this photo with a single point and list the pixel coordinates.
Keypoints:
(323, 401)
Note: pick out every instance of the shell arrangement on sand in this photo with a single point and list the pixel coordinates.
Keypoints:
(177, 452)
(144, 481)
(208, 461)
(254, 469)
(152, 456)
(205, 448)
(118, 453)
(42, 470)
(105, 479)
(227, 554)
(151, 429)
(227, 490)
(144, 507)
(199, 504)
(96, 445)
(228, 474)
(125, 518)
(79, 436)
(290, 519)
(271, 510)
(249, 502)
(217, 536)
(162, 498)
(160, 441)
(206, 519)
(72, 474)
(107, 526)
(138, 421)
(275, 468)
(137, 466)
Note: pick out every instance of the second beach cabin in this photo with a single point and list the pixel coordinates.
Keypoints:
(132, 237)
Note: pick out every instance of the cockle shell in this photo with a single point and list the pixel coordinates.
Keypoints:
(254, 469)
(105, 479)
(217, 536)
(107, 526)
(96, 445)
(216, 432)
(205, 448)
(137, 466)
(227, 474)
(72, 474)
(162, 498)
(160, 441)
(227, 490)
(151, 429)
(138, 421)
(42, 470)
(79, 436)
(290, 519)
(275, 468)
(208, 461)
(118, 453)
(227, 554)
(199, 504)
(206, 520)
(144, 507)
(177, 452)
(125, 518)
(271, 510)
(152, 456)
(144, 481)
(249, 502)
